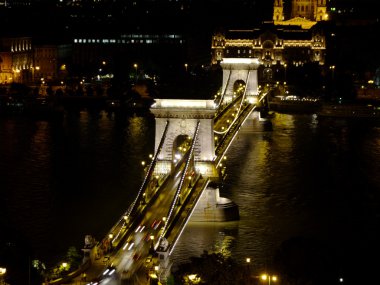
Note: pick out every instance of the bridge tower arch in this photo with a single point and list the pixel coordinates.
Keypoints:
(240, 69)
(183, 116)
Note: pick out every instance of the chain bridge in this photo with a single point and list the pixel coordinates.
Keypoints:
(191, 141)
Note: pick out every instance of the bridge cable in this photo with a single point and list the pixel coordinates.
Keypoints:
(237, 114)
(151, 168)
(178, 191)
(148, 175)
(235, 134)
(225, 90)
(143, 186)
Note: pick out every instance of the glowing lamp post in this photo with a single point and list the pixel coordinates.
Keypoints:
(152, 241)
(269, 278)
(332, 67)
(2, 272)
(135, 66)
(157, 181)
(2, 275)
(34, 69)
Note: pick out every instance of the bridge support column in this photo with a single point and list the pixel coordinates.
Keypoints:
(213, 208)
(164, 265)
(183, 116)
(240, 69)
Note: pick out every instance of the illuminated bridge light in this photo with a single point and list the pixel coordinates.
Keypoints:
(241, 60)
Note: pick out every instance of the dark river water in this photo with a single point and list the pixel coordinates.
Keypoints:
(301, 179)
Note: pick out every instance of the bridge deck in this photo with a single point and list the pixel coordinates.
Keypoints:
(131, 240)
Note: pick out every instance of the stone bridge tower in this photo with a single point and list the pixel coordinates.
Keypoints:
(240, 70)
(183, 116)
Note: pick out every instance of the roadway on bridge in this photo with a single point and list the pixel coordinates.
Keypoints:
(131, 240)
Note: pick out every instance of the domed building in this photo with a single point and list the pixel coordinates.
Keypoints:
(293, 37)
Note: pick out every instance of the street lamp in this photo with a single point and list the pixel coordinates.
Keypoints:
(269, 278)
(332, 67)
(2, 274)
(157, 181)
(186, 65)
(152, 242)
(190, 178)
(135, 66)
(285, 65)
(143, 199)
(34, 68)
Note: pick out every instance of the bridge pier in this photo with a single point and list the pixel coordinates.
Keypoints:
(164, 263)
(240, 69)
(213, 208)
(183, 116)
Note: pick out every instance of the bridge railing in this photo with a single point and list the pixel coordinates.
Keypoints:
(229, 136)
(120, 229)
(179, 188)
(223, 93)
(226, 107)
(242, 101)
(185, 211)
(150, 170)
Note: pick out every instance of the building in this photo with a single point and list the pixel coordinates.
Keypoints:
(313, 10)
(28, 61)
(21, 53)
(271, 45)
(6, 73)
(295, 37)
(122, 51)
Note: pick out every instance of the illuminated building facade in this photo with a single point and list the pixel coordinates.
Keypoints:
(284, 41)
(21, 54)
(271, 45)
(313, 10)
(22, 61)
(6, 74)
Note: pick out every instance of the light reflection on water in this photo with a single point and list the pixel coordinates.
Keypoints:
(304, 178)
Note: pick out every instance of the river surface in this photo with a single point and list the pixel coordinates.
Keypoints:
(299, 178)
